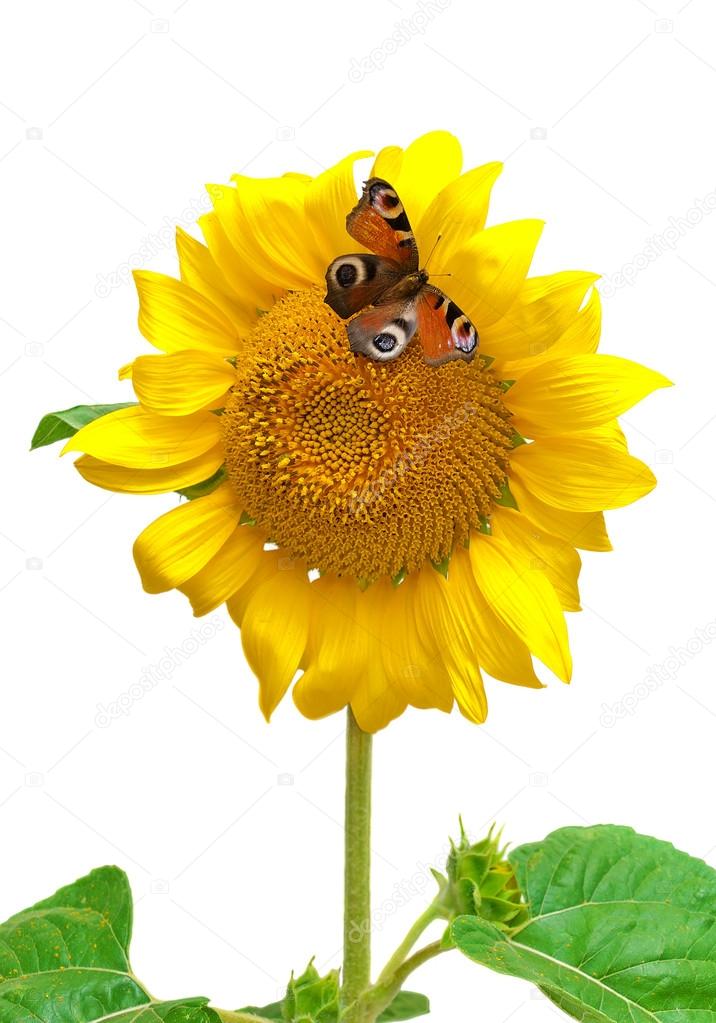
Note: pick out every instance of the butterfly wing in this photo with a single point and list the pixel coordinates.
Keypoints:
(444, 330)
(358, 280)
(380, 222)
(384, 332)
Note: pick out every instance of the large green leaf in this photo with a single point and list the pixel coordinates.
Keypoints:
(61, 425)
(405, 1005)
(66, 960)
(622, 927)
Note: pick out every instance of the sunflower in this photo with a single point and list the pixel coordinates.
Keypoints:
(386, 532)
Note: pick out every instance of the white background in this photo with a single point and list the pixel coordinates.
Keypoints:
(112, 117)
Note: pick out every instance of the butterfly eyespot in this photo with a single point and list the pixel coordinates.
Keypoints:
(465, 335)
(381, 195)
(346, 275)
(385, 342)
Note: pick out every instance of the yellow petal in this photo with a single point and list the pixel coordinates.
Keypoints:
(274, 632)
(337, 649)
(523, 598)
(173, 316)
(179, 543)
(544, 309)
(376, 699)
(181, 383)
(150, 481)
(387, 164)
(329, 199)
(442, 614)
(558, 560)
(420, 171)
(412, 661)
(266, 568)
(200, 271)
(582, 335)
(456, 213)
(489, 270)
(139, 439)
(253, 290)
(581, 473)
(270, 230)
(499, 651)
(374, 703)
(230, 569)
(610, 433)
(578, 392)
(585, 530)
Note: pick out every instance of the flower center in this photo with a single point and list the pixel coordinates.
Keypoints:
(359, 467)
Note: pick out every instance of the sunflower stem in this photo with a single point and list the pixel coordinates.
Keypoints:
(380, 996)
(356, 920)
(435, 911)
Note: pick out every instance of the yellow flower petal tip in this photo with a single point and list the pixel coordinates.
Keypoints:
(384, 534)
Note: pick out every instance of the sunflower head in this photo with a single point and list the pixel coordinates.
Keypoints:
(382, 532)
(360, 468)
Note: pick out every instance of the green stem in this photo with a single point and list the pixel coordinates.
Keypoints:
(433, 912)
(423, 955)
(380, 996)
(356, 931)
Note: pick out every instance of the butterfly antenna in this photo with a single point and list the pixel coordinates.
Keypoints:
(430, 254)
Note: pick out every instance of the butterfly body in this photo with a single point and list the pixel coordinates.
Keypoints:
(392, 296)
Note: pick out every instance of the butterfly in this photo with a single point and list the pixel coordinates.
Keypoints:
(389, 281)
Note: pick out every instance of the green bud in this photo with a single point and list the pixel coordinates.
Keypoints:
(481, 882)
(311, 998)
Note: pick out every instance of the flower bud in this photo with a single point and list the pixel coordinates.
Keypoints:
(481, 882)
(311, 998)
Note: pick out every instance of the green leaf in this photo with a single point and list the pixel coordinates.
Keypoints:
(405, 1005)
(205, 487)
(272, 1011)
(622, 928)
(66, 960)
(61, 425)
